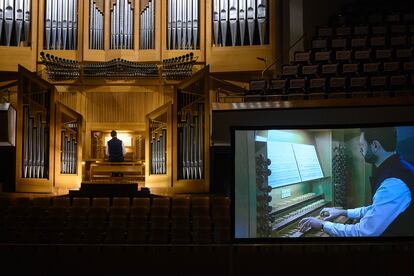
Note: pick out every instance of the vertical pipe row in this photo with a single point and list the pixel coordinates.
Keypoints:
(147, 27)
(122, 22)
(182, 24)
(35, 141)
(15, 22)
(240, 22)
(68, 155)
(61, 24)
(158, 149)
(96, 23)
(191, 137)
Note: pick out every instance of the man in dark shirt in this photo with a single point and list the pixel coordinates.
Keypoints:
(115, 148)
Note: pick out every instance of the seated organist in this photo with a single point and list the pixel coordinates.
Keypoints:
(115, 148)
(392, 209)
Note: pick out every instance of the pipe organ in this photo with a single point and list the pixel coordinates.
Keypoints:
(183, 24)
(158, 145)
(15, 18)
(69, 145)
(191, 135)
(61, 24)
(231, 17)
(96, 26)
(122, 22)
(35, 134)
(147, 26)
(35, 139)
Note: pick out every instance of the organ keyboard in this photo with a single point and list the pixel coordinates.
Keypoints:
(287, 214)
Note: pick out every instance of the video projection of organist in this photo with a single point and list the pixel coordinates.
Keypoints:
(283, 177)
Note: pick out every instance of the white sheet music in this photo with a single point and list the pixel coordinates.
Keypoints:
(307, 160)
(284, 168)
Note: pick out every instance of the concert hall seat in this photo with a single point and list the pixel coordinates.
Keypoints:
(61, 202)
(120, 202)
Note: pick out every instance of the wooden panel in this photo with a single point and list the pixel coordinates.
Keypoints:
(122, 107)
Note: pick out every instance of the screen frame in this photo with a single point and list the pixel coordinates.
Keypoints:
(307, 240)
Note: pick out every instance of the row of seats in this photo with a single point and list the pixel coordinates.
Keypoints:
(162, 220)
(334, 84)
(359, 15)
(6, 202)
(364, 30)
(347, 56)
(347, 68)
(372, 56)
(374, 42)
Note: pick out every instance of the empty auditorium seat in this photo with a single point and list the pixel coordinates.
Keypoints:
(359, 42)
(310, 70)
(339, 43)
(398, 81)
(120, 202)
(337, 84)
(343, 56)
(277, 86)
(392, 18)
(362, 55)
(257, 87)
(408, 66)
(141, 202)
(325, 31)
(61, 202)
(391, 67)
(350, 68)
(330, 69)
(317, 85)
(383, 54)
(375, 18)
(82, 202)
(379, 30)
(322, 57)
(358, 83)
(320, 43)
(362, 30)
(103, 202)
(343, 31)
(400, 41)
(404, 54)
(398, 29)
(378, 83)
(371, 68)
(297, 86)
(302, 57)
(378, 42)
(290, 71)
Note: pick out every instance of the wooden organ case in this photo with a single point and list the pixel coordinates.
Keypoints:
(68, 147)
(48, 152)
(177, 146)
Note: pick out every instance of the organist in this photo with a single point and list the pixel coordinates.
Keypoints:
(115, 149)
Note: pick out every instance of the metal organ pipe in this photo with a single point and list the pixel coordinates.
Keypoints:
(122, 22)
(60, 24)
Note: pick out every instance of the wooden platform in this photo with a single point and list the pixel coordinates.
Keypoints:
(110, 189)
